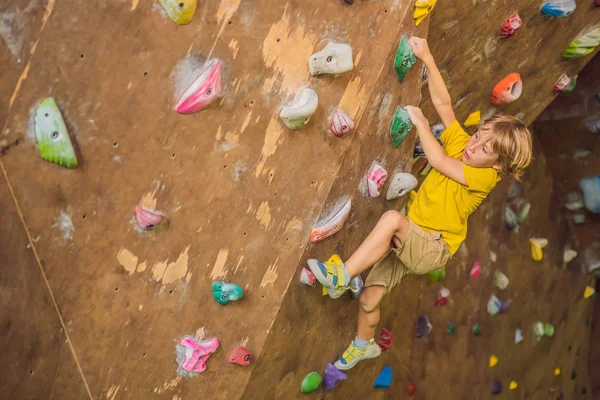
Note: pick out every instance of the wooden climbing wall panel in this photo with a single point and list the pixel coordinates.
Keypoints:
(240, 191)
(465, 39)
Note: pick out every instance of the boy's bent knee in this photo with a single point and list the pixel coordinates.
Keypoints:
(370, 298)
(395, 219)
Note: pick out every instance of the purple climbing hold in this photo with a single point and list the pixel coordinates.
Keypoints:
(504, 307)
(332, 377)
(496, 387)
(423, 326)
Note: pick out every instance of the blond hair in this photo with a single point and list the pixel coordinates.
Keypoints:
(511, 140)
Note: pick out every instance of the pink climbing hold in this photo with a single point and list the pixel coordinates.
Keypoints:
(375, 180)
(195, 353)
(385, 339)
(202, 92)
(511, 26)
(240, 356)
(563, 84)
(307, 277)
(147, 219)
(476, 270)
(332, 223)
(341, 124)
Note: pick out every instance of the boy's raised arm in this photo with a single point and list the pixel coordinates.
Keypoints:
(437, 88)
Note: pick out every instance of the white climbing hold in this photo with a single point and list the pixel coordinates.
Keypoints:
(401, 184)
(298, 114)
(494, 306)
(569, 255)
(501, 281)
(335, 58)
(519, 336)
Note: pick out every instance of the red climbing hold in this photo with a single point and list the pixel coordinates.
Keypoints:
(240, 356)
(511, 26)
(385, 340)
(412, 389)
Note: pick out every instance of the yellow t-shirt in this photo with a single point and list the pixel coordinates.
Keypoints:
(442, 204)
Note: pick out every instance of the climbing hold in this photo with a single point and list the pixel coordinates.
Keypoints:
(494, 305)
(537, 244)
(569, 255)
(436, 275)
(203, 91)
(496, 387)
(593, 126)
(192, 354)
(147, 219)
(591, 193)
(384, 379)
(225, 292)
(579, 219)
(240, 356)
(426, 170)
(507, 90)
(573, 375)
(493, 361)
(450, 328)
(475, 270)
(385, 339)
(401, 125)
(52, 135)
(356, 287)
(556, 371)
(473, 119)
(307, 277)
(504, 307)
(411, 389)
(513, 385)
(311, 382)
(519, 336)
(332, 377)
(332, 223)
(565, 84)
(341, 124)
(423, 326)
(510, 218)
(538, 329)
(514, 191)
(401, 184)
(180, 11)
(574, 201)
(588, 292)
(437, 131)
(511, 26)
(583, 44)
(422, 9)
(476, 329)
(523, 208)
(500, 280)
(298, 114)
(443, 297)
(559, 8)
(405, 59)
(335, 58)
(375, 180)
(548, 330)
(493, 256)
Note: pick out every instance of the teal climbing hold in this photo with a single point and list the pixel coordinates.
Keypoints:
(225, 292)
(405, 59)
(311, 382)
(401, 125)
(384, 380)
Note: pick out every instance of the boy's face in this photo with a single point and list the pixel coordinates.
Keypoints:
(478, 151)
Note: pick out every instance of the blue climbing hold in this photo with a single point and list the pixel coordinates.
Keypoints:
(591, 193)
(384, 380)
(559, 8)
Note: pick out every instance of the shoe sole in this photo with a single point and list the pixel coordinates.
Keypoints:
(313, 265)
(376, 353)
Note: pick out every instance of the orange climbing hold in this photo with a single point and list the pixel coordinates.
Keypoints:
(507, 90)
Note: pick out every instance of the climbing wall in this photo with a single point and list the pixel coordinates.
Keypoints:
(473, 58)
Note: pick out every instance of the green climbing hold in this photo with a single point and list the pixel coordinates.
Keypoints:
(401, 125)
(436, 275)
(405, 59)
(477, 329)
(583, 45)
(311, 382)
(572, 85)
(548, 330)
(52, 135)
(451, 328)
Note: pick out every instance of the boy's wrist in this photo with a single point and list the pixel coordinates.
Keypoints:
(428, 59)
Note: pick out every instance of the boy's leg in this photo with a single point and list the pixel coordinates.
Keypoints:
(391, 225)
(363, 346)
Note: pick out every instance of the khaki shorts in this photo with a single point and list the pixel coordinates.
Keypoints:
(421, 253)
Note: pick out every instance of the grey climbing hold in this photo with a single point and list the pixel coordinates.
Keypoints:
(519, 336)
(401, 184)
(335, 58)
(574, 201)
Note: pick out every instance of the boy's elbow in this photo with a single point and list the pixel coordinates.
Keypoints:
(436, 160)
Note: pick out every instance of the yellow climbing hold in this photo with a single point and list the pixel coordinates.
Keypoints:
(513, 385)
(557, 372)
(493, 361)
(180, 11)
(537, 244)
(589, 292)
(473, 119)
(422, 10)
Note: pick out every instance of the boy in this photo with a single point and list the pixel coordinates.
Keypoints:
(463, 174)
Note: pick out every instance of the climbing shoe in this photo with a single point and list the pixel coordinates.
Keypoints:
(330, 274)
(354, 354)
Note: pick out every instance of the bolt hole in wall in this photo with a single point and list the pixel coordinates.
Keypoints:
(82, 56)
(144, 355)
(173, 156)
(84, 216)
(145, 73)
(116, 144)
(278, 40)
(36, 238)
(245, 233)
(224, 166)
(30, 372)
(116, 289)
(170, 292)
